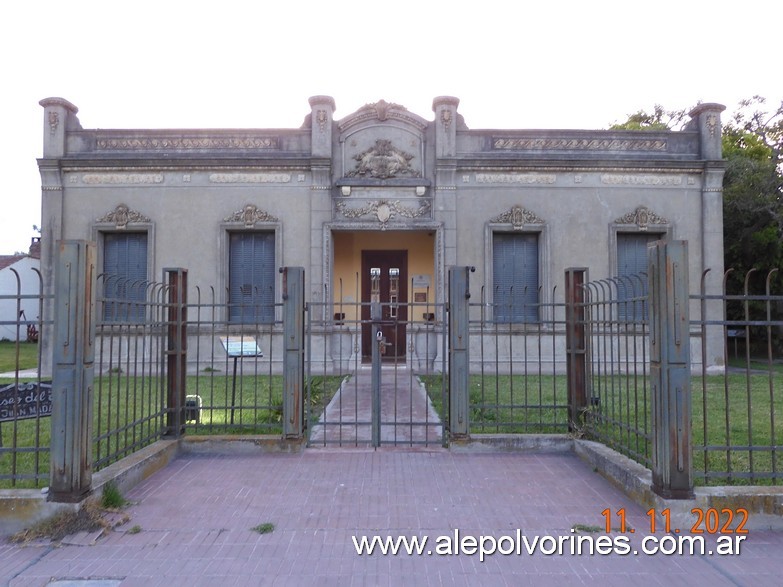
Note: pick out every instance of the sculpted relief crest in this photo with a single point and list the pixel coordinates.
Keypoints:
(383, 161)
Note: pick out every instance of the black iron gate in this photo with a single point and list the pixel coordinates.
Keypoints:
(384, 398)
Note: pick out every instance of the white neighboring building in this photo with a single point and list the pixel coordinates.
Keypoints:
(20, 290)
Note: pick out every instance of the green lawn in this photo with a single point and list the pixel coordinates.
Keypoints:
(127, 415)
(623, 419)
(28, 355)
(737, 410)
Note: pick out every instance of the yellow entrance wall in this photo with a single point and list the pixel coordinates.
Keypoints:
(348, 247)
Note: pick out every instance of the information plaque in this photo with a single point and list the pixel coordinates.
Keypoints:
(240, 346)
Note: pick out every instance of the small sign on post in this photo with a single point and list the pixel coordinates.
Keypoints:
(241, 346)
(237, 347)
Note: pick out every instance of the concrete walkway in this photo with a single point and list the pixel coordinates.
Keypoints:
(193, 522)
(407, 416)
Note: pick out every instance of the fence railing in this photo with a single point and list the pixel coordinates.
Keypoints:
(25, 395)
(612, 362)
(129, 384)
(618, 395)
(517, 382)
(738, 412)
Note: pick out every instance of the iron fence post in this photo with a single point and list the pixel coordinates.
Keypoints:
(576, 345)
(459, 358)
(176, 349)
(294, 351)
(377, 341)
(672, 470)
(73, 373)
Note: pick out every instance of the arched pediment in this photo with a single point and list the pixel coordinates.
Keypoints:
(382, 112)
(382, 142)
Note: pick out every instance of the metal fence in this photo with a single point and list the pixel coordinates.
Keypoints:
(128, 403)
(25, 396)
(233, 384)
(605, 361)
(737, 423)
(618, 409)
(517, 382)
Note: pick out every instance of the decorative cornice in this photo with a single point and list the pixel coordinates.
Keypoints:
(129, 143)
(384, 210)
(641, 217)
(518, 217)
(122, 215)
(577, 144)
(250, 178)
(51, 188)
(249, 215)
(526, 178)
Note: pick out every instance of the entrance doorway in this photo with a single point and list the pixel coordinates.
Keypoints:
(385, 280)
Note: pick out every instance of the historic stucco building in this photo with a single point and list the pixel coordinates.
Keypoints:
(384, 195)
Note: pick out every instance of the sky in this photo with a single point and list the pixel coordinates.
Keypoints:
(254, 64)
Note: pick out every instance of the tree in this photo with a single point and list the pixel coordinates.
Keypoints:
(752, 142)
(752, 185)
(753, 191)
(658, 119)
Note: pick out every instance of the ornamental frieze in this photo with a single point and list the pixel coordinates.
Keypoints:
(518, 217)
(250, 177)
(249, 215)
(524, 178)
(185, 143)
(122, 215)
(577, 144)
(120, 178)
(642, 217)
(655, 180)
(383, 161)
(384, 210)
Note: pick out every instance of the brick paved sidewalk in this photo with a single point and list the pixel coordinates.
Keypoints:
(196, 517)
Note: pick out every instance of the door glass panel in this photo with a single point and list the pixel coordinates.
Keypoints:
(394, 291)
(375, 284)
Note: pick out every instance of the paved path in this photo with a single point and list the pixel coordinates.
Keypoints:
(196, 518)
(407, 416)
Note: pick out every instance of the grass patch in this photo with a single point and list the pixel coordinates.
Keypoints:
(111, 498)
(134, 529)
(87, 519)
(265, 528)
(510, 404)
(28, 356)
(585, 529)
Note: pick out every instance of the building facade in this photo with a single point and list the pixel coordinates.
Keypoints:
(378, 204)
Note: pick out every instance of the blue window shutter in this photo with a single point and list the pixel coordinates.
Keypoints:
(125, 269)
(515, 273)
(631, 263)
(251, 274)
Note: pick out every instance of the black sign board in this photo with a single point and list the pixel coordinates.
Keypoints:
(26, 400)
